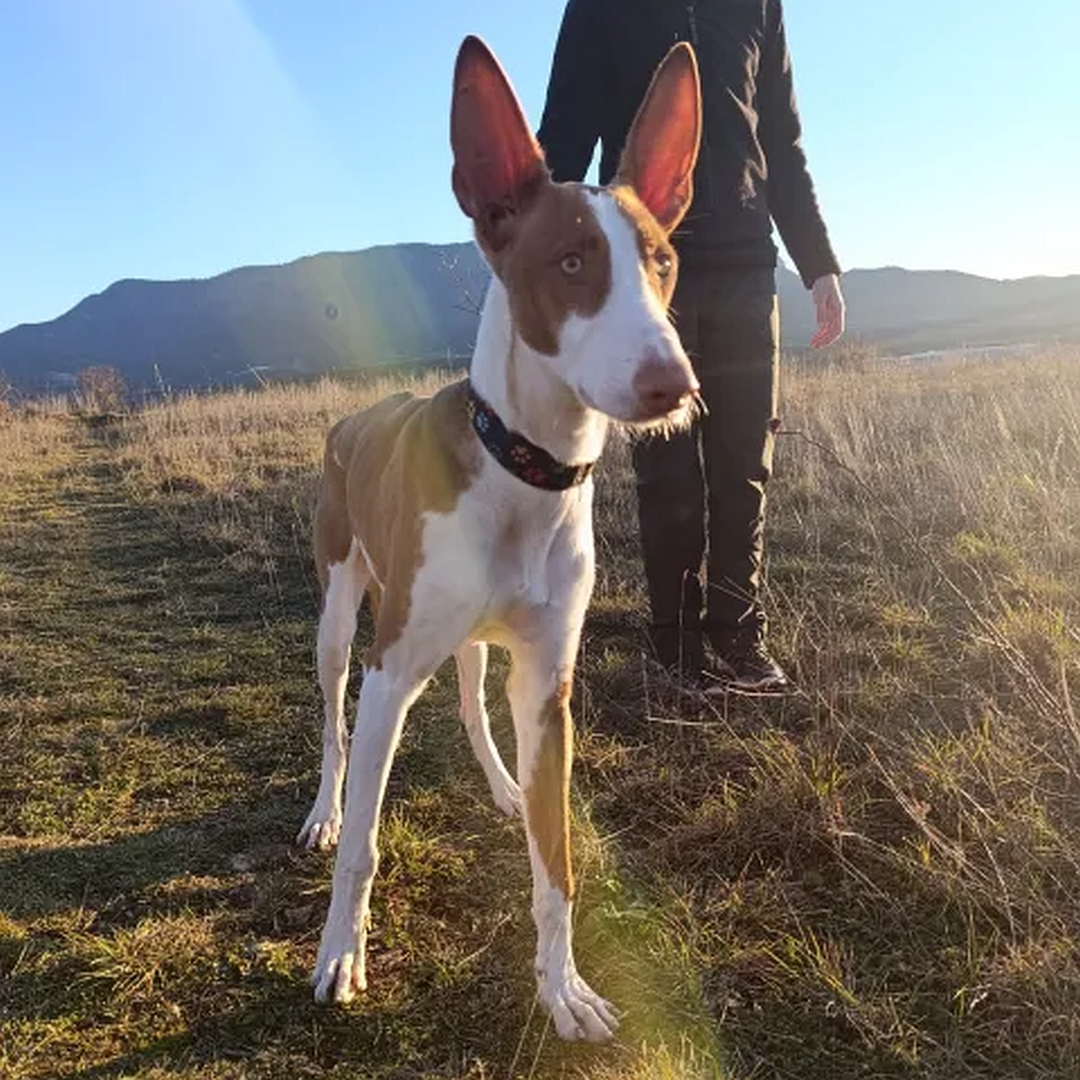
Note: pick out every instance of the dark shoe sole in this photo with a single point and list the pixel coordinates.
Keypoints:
(765, 688)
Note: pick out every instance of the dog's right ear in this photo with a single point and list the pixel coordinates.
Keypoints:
(498, 164)
(662, 147)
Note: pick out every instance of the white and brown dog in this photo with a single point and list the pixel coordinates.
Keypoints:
(467, 517)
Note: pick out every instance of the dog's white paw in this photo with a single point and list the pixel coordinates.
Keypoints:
(339, 973)
(321, 830)
(578, 1012)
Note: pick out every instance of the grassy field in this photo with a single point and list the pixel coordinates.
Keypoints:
(876, 877)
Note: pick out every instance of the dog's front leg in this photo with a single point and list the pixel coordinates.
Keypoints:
(539, 690)
(384, 701)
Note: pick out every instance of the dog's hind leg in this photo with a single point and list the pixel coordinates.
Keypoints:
(471, 666)
(345, 585)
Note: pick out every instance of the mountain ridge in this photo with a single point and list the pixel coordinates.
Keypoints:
(419, 302)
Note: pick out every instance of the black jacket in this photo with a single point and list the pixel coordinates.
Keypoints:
(751, 166)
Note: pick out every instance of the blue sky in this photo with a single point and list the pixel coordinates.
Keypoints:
(180, 138)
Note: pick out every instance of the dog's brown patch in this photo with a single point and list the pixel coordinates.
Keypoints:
(556, 231)
(547, 794)
(654, 247)
(384, 468)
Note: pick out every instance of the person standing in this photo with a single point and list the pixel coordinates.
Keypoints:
(701, 493)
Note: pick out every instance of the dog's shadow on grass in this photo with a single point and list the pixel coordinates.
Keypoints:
(448, 957)
(109, 877)
(283, 1029)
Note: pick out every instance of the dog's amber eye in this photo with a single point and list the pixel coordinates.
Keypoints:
(663, 264)
(570, 264)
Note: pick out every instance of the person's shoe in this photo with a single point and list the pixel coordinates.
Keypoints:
(747, 669)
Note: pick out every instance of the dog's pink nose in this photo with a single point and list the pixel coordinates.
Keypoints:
(662, 386)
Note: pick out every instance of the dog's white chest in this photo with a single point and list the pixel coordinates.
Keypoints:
(519, 558)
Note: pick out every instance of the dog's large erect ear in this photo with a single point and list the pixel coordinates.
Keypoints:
(498, 164)
(661, 149)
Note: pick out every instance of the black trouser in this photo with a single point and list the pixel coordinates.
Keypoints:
(701, 492)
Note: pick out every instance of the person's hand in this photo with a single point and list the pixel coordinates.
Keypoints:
(829, 302)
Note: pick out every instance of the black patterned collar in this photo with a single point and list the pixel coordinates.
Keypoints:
(516, 454)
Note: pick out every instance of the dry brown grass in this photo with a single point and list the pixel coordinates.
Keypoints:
(243, 442)
(883, 869)
(32, 438)
(876, 877)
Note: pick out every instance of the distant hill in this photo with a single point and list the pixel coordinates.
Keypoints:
(383, 305)
(909, 310)
(406, 302)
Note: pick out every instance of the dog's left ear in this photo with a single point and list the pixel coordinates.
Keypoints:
(498, 164)
(660, 152)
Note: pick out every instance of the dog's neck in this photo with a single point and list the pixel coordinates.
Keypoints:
(519, 384)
